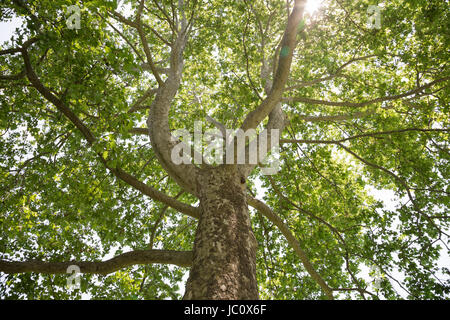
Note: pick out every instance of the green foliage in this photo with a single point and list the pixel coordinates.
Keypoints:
(58, 202)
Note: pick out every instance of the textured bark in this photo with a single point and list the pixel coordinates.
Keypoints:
(179, 258)
(288, 44)
(224, 264)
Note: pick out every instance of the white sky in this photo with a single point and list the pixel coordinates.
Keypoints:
(7, 29)
(312, 6)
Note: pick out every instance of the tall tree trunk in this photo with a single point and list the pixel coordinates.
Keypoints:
(224, 265)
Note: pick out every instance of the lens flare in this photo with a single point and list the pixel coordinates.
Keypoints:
(312, 6)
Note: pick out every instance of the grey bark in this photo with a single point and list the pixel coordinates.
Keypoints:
(224, 263)
(179, 258)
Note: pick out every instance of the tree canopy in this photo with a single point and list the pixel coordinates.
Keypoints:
(363, 108)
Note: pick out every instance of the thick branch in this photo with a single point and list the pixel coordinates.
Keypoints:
(166, 15)
(288, 44)
(46, 93)
(293, 242)
(139, 131)
(365, 103)
(19, 50)
(118, 172)
(329, 77)
(149, 55)
(370, 134)
(123, 37)
(349, 116)
(277, 117)
(194, 212)
(336, 118)
(333, 229)
(179, 258)
(158, 120)
(147, 50)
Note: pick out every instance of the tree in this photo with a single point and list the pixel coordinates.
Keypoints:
(87, 142)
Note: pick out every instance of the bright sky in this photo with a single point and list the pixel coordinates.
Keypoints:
(312, 6)
(7, 29)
